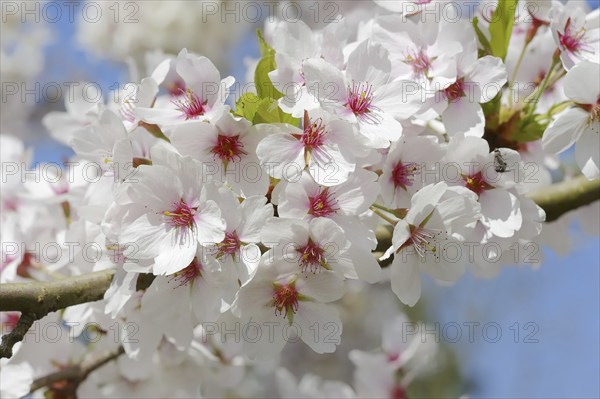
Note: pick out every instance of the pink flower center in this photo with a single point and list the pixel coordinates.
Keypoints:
(419, 61)
(322, 204)
(176, 87)
(314, 133)
(229, 148)
(476, 183)
(593, 109)
(570, 40)
(10, 204)
(190, 273)
(403, 174)
(421, 240)
(360, 101)
(595, 112)
(312, 257)
(398, 393)
(182, 215)
(285, 298)
(229, 246)
(455, 91)
(190, 105)
(392, 357)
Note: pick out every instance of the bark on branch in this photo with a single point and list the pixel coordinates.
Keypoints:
(35, 300)
(566, 196)
(65, 382)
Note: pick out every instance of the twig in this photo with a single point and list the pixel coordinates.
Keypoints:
(35, 300)
(74, 375)
(18, 333)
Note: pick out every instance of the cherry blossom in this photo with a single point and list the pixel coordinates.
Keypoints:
(581, 124)
(365, 95)
(325, 145)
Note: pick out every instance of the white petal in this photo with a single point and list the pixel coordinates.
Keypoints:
(406, 278)
(464, 116)
(501, 212)
(329, 167)
(586, 153)
(210, 225)
(564, 131)
(255, 212)
(489, 73)
(195, 139)
(369, 62)
(282, 156)
(320, 326)
(325, 286)
(326, 82)
(582, 83)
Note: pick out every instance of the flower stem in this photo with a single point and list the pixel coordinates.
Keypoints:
(511, 82)
(385, 217)
(537, 94)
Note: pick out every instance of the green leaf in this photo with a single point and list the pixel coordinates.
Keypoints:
(247, 105)
(530, 129)
(264, 86)
(262, 110)
(501, 27)
(491, 110)
(269, 112)
(485, 43)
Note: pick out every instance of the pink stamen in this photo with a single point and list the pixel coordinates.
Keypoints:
(314, 133)
(312, 257)
(419, 61)
(455, 91)
(229, 148)
(190, 273)
(181, 216)
(229, 246)
(476, 183)
(360, 102)
(285, 299)
(190, 105)
(322, 204)
(420, 239)
(570, 40)
(403, 174)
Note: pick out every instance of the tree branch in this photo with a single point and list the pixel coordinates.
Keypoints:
(566, 196)
(45, 297)
(18, 333)
(35, 300)
(70, 377)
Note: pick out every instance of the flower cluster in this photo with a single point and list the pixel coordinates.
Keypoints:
(401, 142)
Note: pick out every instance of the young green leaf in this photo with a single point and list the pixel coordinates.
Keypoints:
(264, 86)
(501, 26)
(485, 43)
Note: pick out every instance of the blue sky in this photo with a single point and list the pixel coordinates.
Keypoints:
(561, 298)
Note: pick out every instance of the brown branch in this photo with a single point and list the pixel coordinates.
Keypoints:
(566, 196)
(18, 333)
(66, 381)
(45, 297)
(35, 300)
